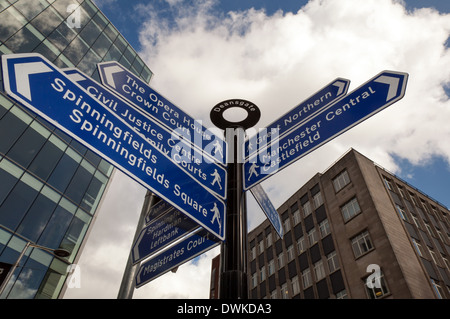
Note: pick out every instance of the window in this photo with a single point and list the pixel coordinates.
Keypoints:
(416, 221)
(295, 285)
(446, 262)
(306, 278)
(28, 145)
(340, 181)
(290, 252)
(273, 294)
(402, 192)
(388, 184)
(317, 199)
(433, 256)
(271, 267)
(261, 246)
(286, 225)
(333, 262)
(350, 209)
(312, 236)
(413, 199)
(284, 291)
(253, 252)
(324, 228)
(319, 270)
(254, 280)
(378, 289)
(440, 235)
(437, 289)
(425, 206)
(280, 260)
(342, 294)
(295, 213)
(306, 209)
(262, 273)
(401, 212)
(361, 244)
(428, 227)
(418, 247)
(296, 217)
(269, 239)
(301, 245)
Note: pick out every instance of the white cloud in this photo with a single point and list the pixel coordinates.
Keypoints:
(277, 61)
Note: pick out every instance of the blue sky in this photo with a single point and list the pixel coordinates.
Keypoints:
(120, 11)
(206, 51)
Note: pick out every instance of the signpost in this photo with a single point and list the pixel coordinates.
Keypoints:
(161, 147)
(161, 232)
(266, 205)
(121, 81)
(37, 84)
(157, 210)
(379, 92)
(174, 256)
(319, 100)
(199, 166)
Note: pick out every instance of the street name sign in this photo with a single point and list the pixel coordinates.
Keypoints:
(174, 256)
(378, 93)
(266, 205)
(199, 166)
(157, 210)
(160, 233)
(40, 86)
(312, 105)
(124, 83)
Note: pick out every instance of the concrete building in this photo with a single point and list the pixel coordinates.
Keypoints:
(353, 231)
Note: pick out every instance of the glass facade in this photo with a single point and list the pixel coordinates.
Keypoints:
(50, 185)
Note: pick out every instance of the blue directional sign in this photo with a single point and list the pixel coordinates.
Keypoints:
(176, 255)
(160, 233)
(381, 91)
(199, 166)
(157, 210)
(37, 84)
(308, 108)
(266, 205)
(124, 83)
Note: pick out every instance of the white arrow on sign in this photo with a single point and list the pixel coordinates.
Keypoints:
(53, 96)
(341, 85)
(393, 85)
(23, 72)
(109, 71)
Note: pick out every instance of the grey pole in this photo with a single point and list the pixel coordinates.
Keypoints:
(233, 274)
(126, 289)
(233, 282)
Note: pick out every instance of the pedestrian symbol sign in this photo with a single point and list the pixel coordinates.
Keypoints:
(40, 86)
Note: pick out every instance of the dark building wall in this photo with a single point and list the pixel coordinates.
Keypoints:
(353, 223)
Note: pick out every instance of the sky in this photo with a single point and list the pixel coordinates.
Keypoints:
(276, 54)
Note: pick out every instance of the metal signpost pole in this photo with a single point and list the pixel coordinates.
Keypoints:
(126, 289)
(233, 282)
(233, 279)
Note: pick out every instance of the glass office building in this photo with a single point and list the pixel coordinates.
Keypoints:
(50, 185)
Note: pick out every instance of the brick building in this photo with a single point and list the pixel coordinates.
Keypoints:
(354, 231)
